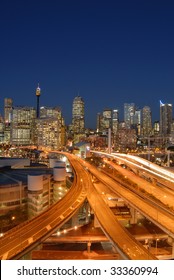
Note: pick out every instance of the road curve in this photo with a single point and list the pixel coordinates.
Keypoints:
(122, 240)
(157, 216)
(31, 233)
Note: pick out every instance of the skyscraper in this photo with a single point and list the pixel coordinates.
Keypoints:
(115, 121)
(137, 119)
(8, 103)
(22, 126)
(146, 121)
(104, 121)
(165, 118)
(8, 106)
(78, 115)
(129, 112)
(50, 128)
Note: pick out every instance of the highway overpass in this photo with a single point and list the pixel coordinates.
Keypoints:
(27, 235)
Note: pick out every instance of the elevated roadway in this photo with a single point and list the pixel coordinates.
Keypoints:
(31, 233)
(28, 235)
(124, 242)
(155, 214)
(162, 195)
(164, 175)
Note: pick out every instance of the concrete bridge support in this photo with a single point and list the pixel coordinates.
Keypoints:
(87, 209)
(171, 242)
(75, 220)
(172, 248)
(96, 223)
(133, 219)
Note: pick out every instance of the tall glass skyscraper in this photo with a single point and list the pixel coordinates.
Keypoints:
(78, 115)
(146, 121)
(129, 112)
(165, 118)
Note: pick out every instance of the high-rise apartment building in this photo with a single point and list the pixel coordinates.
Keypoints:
(48, 133)
(146, 121)
(78, 115)
(50, 128)
(165, 118)
(22, 125)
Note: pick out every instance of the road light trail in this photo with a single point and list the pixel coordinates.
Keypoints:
(31, 233)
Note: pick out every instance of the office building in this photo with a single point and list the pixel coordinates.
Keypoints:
(1, 129)
(50, 112)
(78, 115)
(104, 121)
(165, 118)
(22, 126)
(129, 113)
(8, 106)
(146, 121)
(137, 120)
(115, 121)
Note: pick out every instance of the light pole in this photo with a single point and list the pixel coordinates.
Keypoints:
(156, 245)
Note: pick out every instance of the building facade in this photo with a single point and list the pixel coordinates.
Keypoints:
(8, 106)
(165, 119)
(129, 113)
(146, 121)
(50, 128)
(22, 126)
(78, 115)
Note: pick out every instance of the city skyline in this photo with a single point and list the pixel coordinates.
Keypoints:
(109, 53)
(35, 107)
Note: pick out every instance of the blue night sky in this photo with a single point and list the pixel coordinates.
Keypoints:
(108, 52)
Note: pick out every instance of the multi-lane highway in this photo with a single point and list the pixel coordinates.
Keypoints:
(151, 210)
(31, 233)
(158, 181)
(28, 235)
(160, 194)
(124, 242)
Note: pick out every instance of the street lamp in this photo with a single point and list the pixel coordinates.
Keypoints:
(156, 245)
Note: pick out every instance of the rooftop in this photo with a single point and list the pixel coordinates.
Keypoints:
(11, 176)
